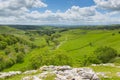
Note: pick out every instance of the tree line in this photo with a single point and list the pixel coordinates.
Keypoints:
(12, 50)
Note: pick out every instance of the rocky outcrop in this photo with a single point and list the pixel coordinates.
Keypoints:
(59, 73)
(65, 73)
(55, 68)
(4, 75)
(30, 72)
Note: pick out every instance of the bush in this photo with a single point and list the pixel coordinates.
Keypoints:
(13, 50)
(88, 60)
(20, 57)
(3, 45)
(37, 61)
(105, 54)
(46, 57)
(60, 59)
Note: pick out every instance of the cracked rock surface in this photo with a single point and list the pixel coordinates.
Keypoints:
(64, 73)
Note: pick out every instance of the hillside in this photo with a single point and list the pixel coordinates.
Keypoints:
(10, 30)
(14, 45)
(80, 43)
(12, 50)
(77, 47)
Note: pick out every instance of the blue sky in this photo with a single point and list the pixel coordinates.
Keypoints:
(63, 5)
(68, 12)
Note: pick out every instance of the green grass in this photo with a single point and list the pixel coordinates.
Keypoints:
(84, 42)
(115, 78)
(24, 65)
(50, 77)
(111, 72)
(76, 43)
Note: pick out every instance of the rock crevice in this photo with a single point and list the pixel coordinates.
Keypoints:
(65, 73)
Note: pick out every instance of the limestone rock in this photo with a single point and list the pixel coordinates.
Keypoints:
(55, 68)
(9, 74)
(67, 73)
(30, 72)
(60, 73)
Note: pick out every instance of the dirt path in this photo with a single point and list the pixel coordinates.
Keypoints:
(58, 46)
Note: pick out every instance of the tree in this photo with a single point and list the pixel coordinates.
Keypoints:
(32, 39)
(20, 57)
(119, 32)
(47, 39)
(3, 45)
(105, 54)
(37, 60)
(61, 59)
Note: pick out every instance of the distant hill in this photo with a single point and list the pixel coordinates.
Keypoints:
(49, 27)
(10, 30)
(31, 27)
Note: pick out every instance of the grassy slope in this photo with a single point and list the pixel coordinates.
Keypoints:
(13, 31)
(9, 30)
(78, 41)
(111, 72)
(77, 45)
(20, 33)
(25, 65)
(39, 41)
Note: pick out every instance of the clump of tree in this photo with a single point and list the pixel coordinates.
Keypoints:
(100, 55)
(46, 57)
(13, 50)
(52, 38)
(105, 54)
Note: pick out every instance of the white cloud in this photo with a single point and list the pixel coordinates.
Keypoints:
(108, 4)
(18, 11)
(18, 7)
(75, 14)
(86, 11)
(17, 4)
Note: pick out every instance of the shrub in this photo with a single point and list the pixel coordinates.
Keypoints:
(60, 59)
(38, 58)
(88, 60)
(20, 57)
(119, 32)
(46, 57)
(3, 45)
(36, 61)
(105, 54)
(32, 39)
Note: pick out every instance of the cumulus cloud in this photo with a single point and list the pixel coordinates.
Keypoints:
(108, 4)
(74, 14)
(86, 11)
(17, 4)
(18, 11)
(18, 7)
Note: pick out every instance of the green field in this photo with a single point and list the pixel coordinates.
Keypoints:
(84, 42)
(60, 46)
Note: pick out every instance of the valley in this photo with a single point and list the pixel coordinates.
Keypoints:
(31, 47)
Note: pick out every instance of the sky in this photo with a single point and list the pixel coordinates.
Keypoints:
(56, 12)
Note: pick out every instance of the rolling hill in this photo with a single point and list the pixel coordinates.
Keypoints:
(80, 43)
(59, 46)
